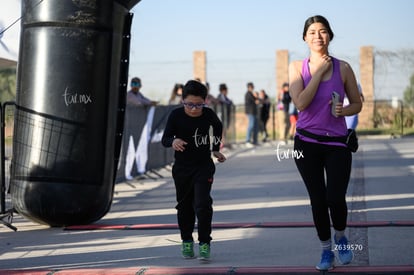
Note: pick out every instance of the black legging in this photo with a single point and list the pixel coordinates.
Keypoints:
(327, 197)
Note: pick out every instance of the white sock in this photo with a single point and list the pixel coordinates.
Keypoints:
(326, 245)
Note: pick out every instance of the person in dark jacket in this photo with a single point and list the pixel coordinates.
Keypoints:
(264, 113)
(250, 105)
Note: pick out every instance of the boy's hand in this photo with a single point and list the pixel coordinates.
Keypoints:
(220, 157)
(178, 144)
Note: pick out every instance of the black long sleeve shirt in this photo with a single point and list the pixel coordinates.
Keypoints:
(196, 132)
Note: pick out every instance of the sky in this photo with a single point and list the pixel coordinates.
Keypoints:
(241, 38)
(9, 40)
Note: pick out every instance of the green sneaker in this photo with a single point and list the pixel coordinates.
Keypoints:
(187, 250)
(204, 252)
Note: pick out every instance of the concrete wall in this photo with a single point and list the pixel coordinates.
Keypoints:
(366, 68)
(200, 65)
(282, 76)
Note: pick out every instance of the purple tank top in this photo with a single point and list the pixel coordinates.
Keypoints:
(317, 117)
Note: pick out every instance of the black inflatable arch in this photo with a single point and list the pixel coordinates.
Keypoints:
(72, 80)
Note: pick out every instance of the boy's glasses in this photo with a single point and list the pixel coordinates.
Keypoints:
(192, 105)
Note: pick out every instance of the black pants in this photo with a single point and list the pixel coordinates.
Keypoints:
(263, 126)
(193, 186)
(327, 197)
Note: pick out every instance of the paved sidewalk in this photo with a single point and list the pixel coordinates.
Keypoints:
(262, 222)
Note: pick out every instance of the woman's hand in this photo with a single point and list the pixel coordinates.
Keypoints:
(338, 108)
(323, 64)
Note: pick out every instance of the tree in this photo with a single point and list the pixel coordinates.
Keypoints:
(7, 84)
(409, 93)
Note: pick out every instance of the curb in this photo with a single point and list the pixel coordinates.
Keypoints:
(379, 270)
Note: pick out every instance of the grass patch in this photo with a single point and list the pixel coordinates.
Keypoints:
(377, 131)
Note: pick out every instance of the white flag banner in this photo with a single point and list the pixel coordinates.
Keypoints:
(10, 14)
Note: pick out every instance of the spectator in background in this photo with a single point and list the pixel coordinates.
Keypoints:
(176, 94)
(211, 101)
(293, 118)
(225, 108)
(222, 97)
(250, 108)
(284, 97)
(264, 113)
(135, 97)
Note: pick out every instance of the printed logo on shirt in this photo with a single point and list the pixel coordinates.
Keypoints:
(205, 139)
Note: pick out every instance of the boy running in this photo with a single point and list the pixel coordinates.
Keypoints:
(188, 133)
